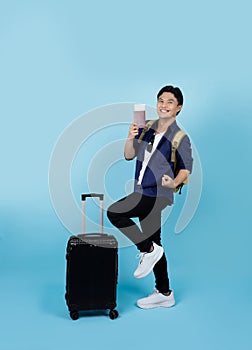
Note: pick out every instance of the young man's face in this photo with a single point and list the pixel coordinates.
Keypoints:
(167, 106)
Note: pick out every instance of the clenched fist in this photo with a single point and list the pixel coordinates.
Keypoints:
(168, 182)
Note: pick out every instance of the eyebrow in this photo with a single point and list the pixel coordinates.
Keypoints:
(170, 99)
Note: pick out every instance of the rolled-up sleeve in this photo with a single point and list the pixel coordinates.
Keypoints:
(184, 154)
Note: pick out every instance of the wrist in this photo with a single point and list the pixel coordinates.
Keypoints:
(175, 184)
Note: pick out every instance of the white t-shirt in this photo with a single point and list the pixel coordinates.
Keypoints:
(147, 157)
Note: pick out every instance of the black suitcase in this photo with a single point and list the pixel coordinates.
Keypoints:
(92, 269)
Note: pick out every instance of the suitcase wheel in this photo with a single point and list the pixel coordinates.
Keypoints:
(74, 315)
(113, 314)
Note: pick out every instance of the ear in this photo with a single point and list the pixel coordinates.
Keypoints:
(179, 107)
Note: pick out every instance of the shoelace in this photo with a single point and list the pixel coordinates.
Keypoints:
(140, 256)
(155, 291)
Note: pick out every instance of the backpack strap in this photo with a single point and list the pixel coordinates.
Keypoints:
(177, 138)
(147, 128)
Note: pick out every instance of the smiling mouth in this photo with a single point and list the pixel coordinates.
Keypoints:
(164, 111)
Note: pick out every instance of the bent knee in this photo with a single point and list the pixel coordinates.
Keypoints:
(111, 214)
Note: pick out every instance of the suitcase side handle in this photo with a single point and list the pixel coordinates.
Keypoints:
(84, 196)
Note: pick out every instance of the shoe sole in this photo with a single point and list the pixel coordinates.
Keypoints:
(152, 266)
(152, 306)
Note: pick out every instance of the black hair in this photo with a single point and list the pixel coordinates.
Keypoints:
(175, 91)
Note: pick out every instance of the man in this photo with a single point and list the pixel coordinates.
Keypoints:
(153, 191)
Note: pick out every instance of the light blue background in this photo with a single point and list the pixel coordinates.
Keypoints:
(60, 59)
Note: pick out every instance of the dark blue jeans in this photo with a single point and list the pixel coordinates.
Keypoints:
(148, 210)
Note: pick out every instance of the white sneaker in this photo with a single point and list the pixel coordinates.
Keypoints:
(148, 261)
(156, 299)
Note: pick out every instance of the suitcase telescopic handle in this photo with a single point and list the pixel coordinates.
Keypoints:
(84, 196)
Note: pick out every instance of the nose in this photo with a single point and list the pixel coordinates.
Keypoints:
(163, 105)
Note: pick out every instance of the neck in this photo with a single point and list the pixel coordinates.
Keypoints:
(163, 124)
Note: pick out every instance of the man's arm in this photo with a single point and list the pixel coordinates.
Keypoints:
(168, 182)
(129, 150)
(184, 159)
